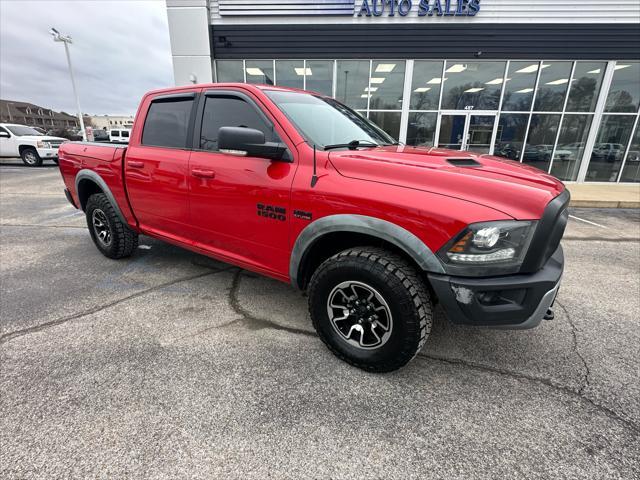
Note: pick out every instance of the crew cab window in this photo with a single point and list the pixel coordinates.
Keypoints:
(125, 134)
(115, 133)
(230, 111)
(167, 123)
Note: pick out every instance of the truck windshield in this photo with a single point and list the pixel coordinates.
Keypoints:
(325, 122)
(20, 130)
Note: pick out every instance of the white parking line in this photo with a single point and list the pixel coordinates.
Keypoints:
(588, 221)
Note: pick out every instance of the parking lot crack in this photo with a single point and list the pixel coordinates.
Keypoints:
(251, 321)
(629, 424)
(576, 349)
(59, 321)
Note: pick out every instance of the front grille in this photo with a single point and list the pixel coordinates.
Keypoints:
(55, 143)
(548, 234)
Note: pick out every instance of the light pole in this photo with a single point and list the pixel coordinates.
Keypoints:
(66, 39)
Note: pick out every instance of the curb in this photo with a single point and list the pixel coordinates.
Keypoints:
(603, 204)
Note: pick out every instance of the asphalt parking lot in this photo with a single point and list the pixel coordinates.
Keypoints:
(173, 365)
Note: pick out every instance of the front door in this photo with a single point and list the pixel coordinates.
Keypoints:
(240, 204)
(467, 131)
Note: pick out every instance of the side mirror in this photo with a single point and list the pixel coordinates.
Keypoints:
(249, 142)
(4, 135)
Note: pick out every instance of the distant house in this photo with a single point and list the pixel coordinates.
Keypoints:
(35, 116)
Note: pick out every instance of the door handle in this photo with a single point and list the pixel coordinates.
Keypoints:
(197, 172)
(135, 164)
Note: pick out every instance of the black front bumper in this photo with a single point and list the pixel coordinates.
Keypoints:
(510, 301)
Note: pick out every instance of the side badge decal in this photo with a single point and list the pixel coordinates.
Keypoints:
(302, 214)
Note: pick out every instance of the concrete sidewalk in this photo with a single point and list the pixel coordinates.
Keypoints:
(590, 195)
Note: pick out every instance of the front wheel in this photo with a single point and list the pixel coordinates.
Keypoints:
(110, 234)
(30, 157)
(370, 307)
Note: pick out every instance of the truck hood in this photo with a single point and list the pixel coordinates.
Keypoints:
(517, 190)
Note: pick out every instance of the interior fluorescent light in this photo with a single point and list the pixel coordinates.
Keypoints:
(364, 95)
(597, 70)
(560, 81)
(422, 89)
(473, 90)
(370, 89)
(435, 81)
(531, 68)
(618, 67)
(254, 71)
(302, 71)
(495, 81)
(377, 79)
(385, 67)
(457, 68)
(524, 90)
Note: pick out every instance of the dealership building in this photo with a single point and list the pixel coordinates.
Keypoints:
(551, 83)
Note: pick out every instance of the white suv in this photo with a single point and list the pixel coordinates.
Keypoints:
(29, 144)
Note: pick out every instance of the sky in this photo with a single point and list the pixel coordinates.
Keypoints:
(120, 51)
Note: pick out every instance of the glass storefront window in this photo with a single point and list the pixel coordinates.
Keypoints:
(570, 148)
(521, 81)
(552, 86)
(352, 83)
(624, 93)
(608, 151)
(290, 73)
(425, 85)
(474, 85)
(510, 136)
(229, 71)
(421, 130)
(631, 170)
(585, 86)
(540, 140)
(386, 85)
(387, 121)
(259, 71)
(319, 76)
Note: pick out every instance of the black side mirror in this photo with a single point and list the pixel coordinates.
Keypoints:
(249, 142)
(4, 135)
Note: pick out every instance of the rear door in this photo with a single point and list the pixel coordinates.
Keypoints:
(157, 166)
(240, 204)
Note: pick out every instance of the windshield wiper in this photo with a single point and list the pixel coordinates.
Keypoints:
(352, 145)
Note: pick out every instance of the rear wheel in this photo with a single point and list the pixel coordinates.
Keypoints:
(30, 157)
(370, 307)
(109, 233)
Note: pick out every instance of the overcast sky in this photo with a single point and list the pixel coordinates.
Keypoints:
(121, 49)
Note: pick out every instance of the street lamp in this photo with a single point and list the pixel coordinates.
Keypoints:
(66, 39)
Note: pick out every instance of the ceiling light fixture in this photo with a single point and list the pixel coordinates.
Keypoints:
(524, 90)
(377, 79)
(560, 81)
(457, 68)
(618, 67)
(385, 67)
(422, 89)
(474, 90)
(302, 71)
(254, 71)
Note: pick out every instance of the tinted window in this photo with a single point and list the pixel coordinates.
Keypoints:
(166, 124)
(125, 134)
(230, 112)
(115, 133)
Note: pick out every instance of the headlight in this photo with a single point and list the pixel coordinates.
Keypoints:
(488, 248)
(42, 144)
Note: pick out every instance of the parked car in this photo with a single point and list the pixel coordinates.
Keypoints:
(609, 152)
(119, 135)
(298, 187)
(28, 143)
(101, 136)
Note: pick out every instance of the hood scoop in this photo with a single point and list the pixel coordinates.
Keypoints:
(463, 162)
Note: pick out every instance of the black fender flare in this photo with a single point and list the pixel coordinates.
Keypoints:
(375, 227)
(92, 176)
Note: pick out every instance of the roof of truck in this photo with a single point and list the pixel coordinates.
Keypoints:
(246, 86)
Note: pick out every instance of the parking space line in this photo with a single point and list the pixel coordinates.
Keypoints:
(588, 221)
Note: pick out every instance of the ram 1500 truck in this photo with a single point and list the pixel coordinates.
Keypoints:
(301, 188)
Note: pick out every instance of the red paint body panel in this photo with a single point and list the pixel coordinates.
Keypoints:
(208, 201)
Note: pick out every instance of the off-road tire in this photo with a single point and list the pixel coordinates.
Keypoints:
(398, 283)
(123, 241)
(30, 157)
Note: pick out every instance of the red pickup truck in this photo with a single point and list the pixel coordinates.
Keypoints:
(303, 189)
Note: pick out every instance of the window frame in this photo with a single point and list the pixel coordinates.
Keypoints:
(173, 97)
(220, 92)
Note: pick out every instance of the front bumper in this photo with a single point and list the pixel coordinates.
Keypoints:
(510, 301)
(48, 153)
